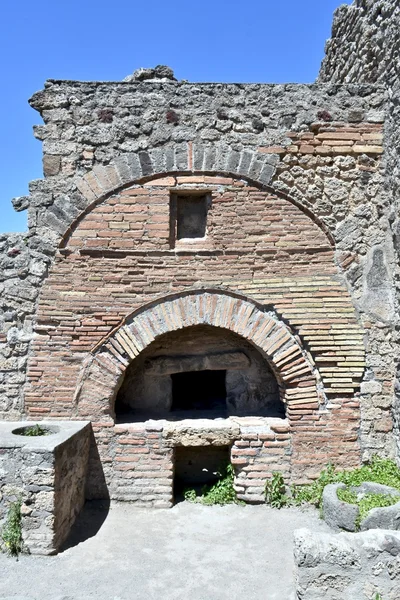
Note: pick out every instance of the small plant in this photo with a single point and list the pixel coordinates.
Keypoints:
(190, 495)
(366, 502)
(275, 491)
(312, 493)
(11, 534)
(379, 470)
(35, 430)
(222, 492)
(346, 495)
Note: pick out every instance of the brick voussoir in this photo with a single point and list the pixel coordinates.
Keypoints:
(85, 189)
(107, 363)
(119, 336)
(114, 348)
(100, 173)
(110, 348)
(245, 162)
(94, 184)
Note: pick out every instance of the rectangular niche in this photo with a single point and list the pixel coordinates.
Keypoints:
(198, 466)
(188, 218)
(199, 391)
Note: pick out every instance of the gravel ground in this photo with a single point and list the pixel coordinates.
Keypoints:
(190, 552)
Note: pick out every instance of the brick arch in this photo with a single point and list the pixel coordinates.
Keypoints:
(105, 367)
(189, 158)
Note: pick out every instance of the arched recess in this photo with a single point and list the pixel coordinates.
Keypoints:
(188, 158)
(104, 368)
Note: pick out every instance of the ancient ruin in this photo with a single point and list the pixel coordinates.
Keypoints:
(212, 270)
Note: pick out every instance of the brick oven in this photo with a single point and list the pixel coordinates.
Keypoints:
(207, 291)
(187, 344)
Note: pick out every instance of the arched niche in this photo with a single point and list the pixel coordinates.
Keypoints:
(105, 369)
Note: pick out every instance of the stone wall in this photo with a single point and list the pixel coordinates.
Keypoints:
(48, 474)
(22, 268)
(311, 154)
(365, 48)
(347, 566)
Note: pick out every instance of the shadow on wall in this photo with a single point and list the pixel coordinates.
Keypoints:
(97, 506)
(96, 486)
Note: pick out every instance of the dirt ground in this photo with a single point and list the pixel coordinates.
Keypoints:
(189, 552)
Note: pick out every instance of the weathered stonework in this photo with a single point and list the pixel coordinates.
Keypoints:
(47, 474)
(365, 48)
(347, 566)
(299, 260)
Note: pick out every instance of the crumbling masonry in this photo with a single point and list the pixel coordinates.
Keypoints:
(246, 232)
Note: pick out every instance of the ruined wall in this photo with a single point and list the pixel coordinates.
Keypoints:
(320, 145)
(365, 48)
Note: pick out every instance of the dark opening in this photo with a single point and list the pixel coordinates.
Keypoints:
(195, 467)
(191, 217)
(199, 390)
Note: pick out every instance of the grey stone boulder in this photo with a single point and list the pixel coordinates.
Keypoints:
(387, 517)
(347, 566)
(338, 514)
(343, 516)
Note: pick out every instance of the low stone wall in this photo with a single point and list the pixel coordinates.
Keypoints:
(48, 474)
(347, 566)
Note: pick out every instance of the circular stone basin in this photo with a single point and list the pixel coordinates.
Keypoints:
(341, 515)
(36, 430)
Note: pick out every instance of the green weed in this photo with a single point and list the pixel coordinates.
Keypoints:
(11, 534)
(379, 470)
(366, 502)
(275, 491)
(35, 430)
(221, 492)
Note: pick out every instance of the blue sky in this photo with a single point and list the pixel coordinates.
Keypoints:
(258, 41)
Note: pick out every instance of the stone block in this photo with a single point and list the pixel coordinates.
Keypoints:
(49, 474)
(51, 165)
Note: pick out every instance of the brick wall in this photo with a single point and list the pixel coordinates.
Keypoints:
(118, 259)
(310, 156)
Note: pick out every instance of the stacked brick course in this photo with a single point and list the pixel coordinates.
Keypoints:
(84, 281)
(333, 138)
